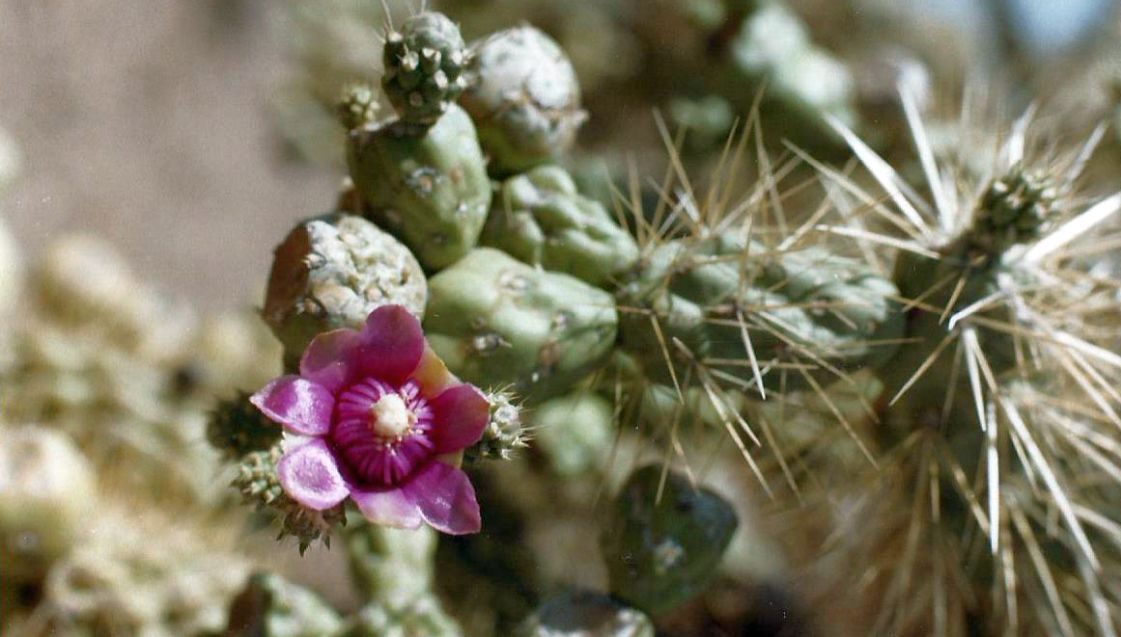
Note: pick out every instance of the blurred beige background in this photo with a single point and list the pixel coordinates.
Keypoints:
(146, 121)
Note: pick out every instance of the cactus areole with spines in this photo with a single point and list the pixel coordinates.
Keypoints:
(424, 67)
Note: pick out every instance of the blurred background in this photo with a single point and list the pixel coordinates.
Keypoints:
(163, 126)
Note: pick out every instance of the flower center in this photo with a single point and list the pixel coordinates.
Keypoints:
(390, 417)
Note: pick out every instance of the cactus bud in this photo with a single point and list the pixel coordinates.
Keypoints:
(1014, 209)
(541, 219)
(428, 187)
(585, 614)
(46, 494)
(357, 106)
(525, 100)
(331, 272)
(505, 432)
(424, 67)
(661, 552)
(499, 322)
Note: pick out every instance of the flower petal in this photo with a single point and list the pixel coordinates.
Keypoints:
(309, 475)
(388, 507)
(432, 374)
(460, 414)
(329, 358)
(445, 498)
(302, 406)
(392, 344)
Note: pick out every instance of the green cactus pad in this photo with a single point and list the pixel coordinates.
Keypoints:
(808, 309)
(525, 100)
(429, 187)
(499, 322)
(661, 553)
(585, 614)
(424, 65)
(575, 432)
(541, 219)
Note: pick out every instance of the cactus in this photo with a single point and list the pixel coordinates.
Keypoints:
(419, 616)
(809, 312)
(270, 606)
(237, 428)
(505, 433)
(46, 494)
(585, 614)
(357, 106)
(424, 67)
(662, 543)
(575, 432)
(541, 219)
(331, 272)
(428, 187)
(525, 100)
(499, 322)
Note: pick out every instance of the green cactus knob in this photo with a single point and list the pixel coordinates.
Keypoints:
(1013, 210)
(505, 432)
(420, 616)
(541, 219)
(662, 552)
(525, 99)
(424, 67)
(807, 310)
(585, 614)
(47, 492)
(331, 272)
(236, 428)
(429, 187)
(498, 322)
(271, 606)
(575, 432)
(357, 106)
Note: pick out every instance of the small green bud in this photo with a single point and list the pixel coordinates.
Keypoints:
(498, 322)
(525, 100)
(541, 219)
(429, 186)
(662, 552)
(1014, 209)
(505, 432)
(331, 272)
(236, 428)
(270, 606)
(424, 67)
(585, 614)
(357, 106)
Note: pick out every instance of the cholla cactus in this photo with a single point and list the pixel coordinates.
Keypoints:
(505, 432)
(424, 67)
(357, 107)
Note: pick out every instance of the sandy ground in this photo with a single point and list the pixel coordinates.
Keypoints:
(146, 121)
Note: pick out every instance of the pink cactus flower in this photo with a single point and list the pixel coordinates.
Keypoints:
(374, 415)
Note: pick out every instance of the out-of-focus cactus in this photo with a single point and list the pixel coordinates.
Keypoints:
(575, 432)
(424, 67)
(540, 218)
(427, 186)
(505, 433)
(661, 551)
(1014, 209)
(809, 309)
(271, 606)
(420, 616)
(585, 614)
(237, 428)
(498, 322)
(331, 272)
(46, 493)
(525, 99)
(357, 107)
(390, 565)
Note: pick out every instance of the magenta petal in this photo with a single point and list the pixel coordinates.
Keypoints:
(329, 359)
(388, 507)
(392, 344)
(310, 476)
(445, 498)
(302, 406)
(460, 414)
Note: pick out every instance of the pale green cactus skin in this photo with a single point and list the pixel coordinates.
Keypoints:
(390, 565)
(525, 99)
(420, 616)
(498, 322)
(662, 552)
(330, 272)
(46, 493)
(585, 614)
(540, 218)
(695, 290)
(271, 606)
(427, 186)
(424, 67)
(575, 432)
